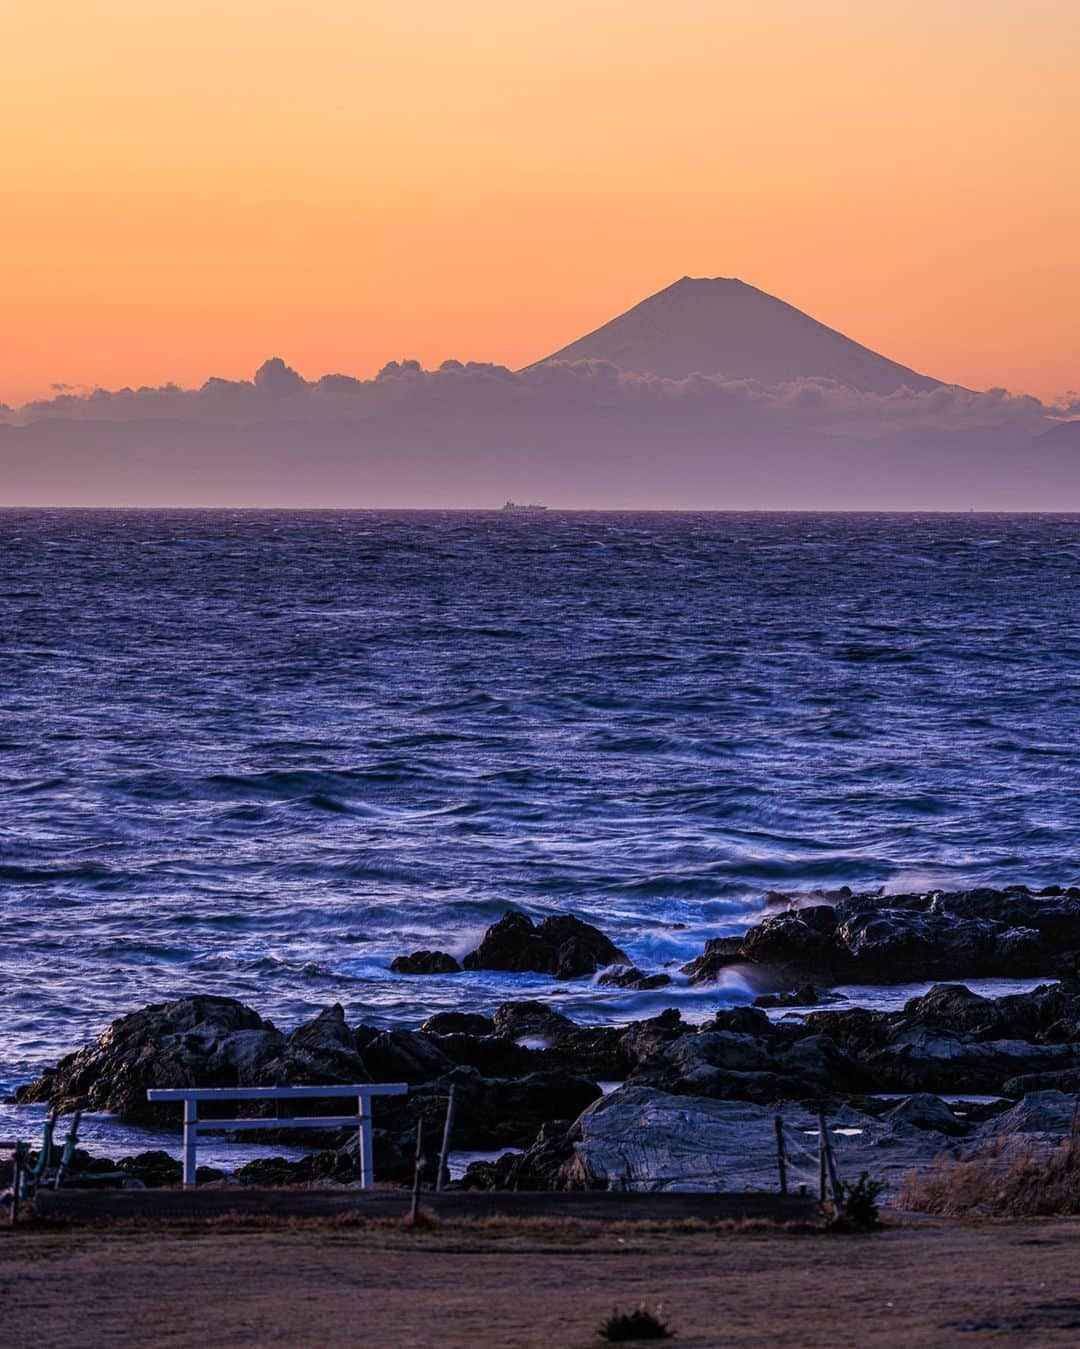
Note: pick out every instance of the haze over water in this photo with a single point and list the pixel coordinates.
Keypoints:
(260, 754)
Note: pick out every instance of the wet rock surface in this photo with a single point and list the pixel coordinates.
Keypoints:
(641, 1139)
(192, 1042)
(561, 945)
(425, 962)
(896, 938)
(521, 1073)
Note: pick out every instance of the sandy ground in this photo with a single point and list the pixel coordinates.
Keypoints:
(932, 1283)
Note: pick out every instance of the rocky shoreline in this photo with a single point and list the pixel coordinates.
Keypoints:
(659, 1102)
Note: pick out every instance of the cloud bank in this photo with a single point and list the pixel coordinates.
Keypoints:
(581, 433)
(582, 389)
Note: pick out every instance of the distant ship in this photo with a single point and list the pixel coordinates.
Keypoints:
(531, 509)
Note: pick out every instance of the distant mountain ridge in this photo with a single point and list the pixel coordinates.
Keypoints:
(722, 326)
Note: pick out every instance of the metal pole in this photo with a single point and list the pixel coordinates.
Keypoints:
(821, 1155)
(448, 1128)
(781, 1159)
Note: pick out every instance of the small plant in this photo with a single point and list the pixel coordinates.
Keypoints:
(857, 1206)
(640, 1324)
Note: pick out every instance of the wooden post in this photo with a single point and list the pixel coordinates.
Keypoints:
(18, 1167)
(418, 1166)
(781, 1159)
(448, 1129)
(830, 1162)
(821, 1155)
(191, 1135)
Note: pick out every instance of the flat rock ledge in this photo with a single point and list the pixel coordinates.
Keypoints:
(640, 1139)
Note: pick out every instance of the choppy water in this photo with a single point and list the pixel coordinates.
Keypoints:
(260, 754)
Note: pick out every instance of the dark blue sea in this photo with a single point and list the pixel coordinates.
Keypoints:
(260, 754)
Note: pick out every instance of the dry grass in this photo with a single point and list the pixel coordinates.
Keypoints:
(572, 1231)
(1000, 1182)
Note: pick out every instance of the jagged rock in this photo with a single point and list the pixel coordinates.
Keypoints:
(425, 962)
(532, 1020)
(537, 1168)
(322, 1050)
(742, 1020)
(1042, 1112)
(490, 1112)
(561, 945)
(198, 1041)
(1026, 1084)
(589, 1049)
(458, 1023)
(629, 976)
(155, 1168)
(894, 938)
(807, 995)
(719, 954)
(494, 1055)
(951, 1006)
(642, 1040)
(406, 1056)
(945, 1061)
(924, 1111)
(729, 1065)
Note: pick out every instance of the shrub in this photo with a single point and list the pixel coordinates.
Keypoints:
(857, 1206)
(640, 1324)
(1000, 1182)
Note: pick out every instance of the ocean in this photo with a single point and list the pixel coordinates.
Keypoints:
(262, 753)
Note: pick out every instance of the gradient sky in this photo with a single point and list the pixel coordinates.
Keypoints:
(190, 187)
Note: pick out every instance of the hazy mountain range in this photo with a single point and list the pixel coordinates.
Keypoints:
(709, 394)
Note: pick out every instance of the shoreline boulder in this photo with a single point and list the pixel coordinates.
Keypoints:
(425, 962)
(561, 945)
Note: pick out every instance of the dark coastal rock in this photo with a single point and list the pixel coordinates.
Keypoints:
(489, 1112)
(458, 1023)
(531, 1019)
(734, 1066)
(924, 1111)
(590, 1049)
(945, 1061)
(197, 1041)
(494, 1055)
(153, 1169)
(643, 1139)
(561, 945)
(406, 1056)
(895, 938)
(951, 1006)
(642, 1040)
(322, 1050)
(743, 1021)
(629, 976)
(425, 962)
(807, 995)
(529, 1065)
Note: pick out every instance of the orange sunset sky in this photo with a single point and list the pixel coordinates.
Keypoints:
(190, 187)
